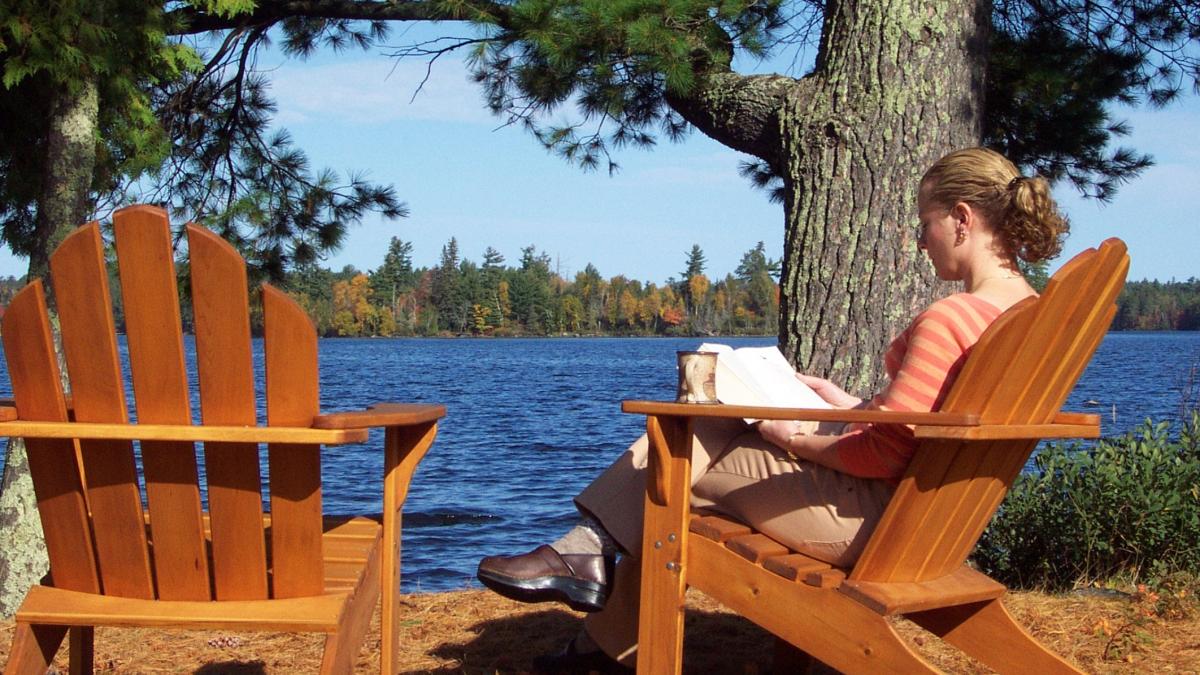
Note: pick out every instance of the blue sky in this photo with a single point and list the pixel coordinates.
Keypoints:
(463, 174)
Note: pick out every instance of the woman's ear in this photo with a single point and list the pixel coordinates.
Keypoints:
(964, 215)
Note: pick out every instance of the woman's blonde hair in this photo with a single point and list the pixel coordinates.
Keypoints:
(1019, 209)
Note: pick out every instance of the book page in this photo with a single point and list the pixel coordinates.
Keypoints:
(760, 376)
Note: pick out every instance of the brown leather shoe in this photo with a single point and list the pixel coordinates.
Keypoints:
(579, 580)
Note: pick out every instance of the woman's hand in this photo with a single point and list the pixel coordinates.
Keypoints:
(782, 432)
(833, 394)
(799, 441)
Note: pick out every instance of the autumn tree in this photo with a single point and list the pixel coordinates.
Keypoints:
(758, 273)
(694, 267)
(353, 314)
(592, 290)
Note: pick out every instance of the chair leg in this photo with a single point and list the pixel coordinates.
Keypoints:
(987, 632)
(342, 647)
(790, 659)
(33, 648)
(82, 650)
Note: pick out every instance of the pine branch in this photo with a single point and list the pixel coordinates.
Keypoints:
(191, 20)
(741, 111)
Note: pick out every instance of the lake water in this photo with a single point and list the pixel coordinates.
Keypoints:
(531, 421)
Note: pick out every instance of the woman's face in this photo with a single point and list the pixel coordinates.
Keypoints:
(939, 231)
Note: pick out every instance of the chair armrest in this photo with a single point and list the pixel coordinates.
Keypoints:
(1064, 425)
(381, 415)
(180, 432)
(8, 407)
(806, 414)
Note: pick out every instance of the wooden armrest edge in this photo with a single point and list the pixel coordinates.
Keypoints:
(181, 432)
(381, 415)
(807, 414)
(997, 432)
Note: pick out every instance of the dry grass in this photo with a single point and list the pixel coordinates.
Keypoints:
(477, 633)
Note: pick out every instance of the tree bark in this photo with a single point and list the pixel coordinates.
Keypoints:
(23, 561)
(63, 205)
(67, 174)
(896, 85)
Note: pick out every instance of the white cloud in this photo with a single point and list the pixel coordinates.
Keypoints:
(377, 90)
(712, 170)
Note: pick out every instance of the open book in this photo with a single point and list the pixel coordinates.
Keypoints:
(759, 376)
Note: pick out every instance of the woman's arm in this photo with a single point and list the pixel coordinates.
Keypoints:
(819, 448)
(831, 393)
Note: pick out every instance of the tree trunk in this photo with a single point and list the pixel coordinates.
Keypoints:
(63, 205)
(897, 85)
(22, 550)
(67, 174)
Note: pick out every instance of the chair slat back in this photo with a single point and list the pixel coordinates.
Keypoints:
(225, 368)
(290, 346)
(1020, 372)
(53, 463)
(154, 337)
(89, 340)
(88, 494)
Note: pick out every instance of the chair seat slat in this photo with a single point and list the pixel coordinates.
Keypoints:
(961, 587)
(55, 606)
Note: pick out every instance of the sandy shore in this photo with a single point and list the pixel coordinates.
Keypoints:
(476, 633)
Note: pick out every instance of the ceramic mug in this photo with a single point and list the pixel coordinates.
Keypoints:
(697, 377)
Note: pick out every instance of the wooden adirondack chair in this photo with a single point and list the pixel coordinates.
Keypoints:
(174, 564)
(1006, 398)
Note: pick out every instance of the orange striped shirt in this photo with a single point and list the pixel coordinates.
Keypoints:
(922, 364)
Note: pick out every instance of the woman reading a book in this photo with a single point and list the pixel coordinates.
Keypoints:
(818, 490)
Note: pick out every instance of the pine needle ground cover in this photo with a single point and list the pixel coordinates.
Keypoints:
(479, 633)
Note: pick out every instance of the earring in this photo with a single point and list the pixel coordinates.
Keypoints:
(961, 238)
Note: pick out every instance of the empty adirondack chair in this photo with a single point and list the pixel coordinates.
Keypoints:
(1006, 398)
(174, 564)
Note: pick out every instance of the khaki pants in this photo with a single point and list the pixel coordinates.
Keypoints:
(809, 508)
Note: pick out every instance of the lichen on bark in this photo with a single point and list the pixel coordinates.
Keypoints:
(23, 561)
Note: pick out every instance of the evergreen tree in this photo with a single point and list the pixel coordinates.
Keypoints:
(105, 109)
(446, 294)
(395, 276)
(493, 275)
(755, 262)
(694, 267)
(589, 285)
(493, 262)
(530, 291)
(759, 272)
(695, 263)
(1037, 274)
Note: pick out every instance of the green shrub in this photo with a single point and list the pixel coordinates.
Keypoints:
(1122, 506)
